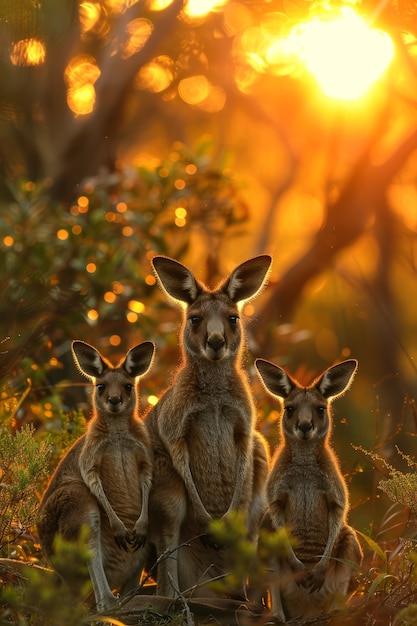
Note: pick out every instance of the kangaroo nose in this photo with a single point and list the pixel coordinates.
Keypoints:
(114, 400)
(304, 426)
(215, 342)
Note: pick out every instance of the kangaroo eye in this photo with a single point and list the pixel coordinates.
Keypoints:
(128, 387)
(289, 410)
(100, 386)
(233, 319)
(195, 319)
(321, 411)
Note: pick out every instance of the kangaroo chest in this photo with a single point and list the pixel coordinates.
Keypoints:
(216, 440)
(307, 493)
(216, 432)
(120, 476)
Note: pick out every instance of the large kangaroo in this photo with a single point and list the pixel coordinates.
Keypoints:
(307, 494)
(209, 460)
(103, 481)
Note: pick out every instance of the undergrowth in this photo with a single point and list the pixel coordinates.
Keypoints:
(32, 595)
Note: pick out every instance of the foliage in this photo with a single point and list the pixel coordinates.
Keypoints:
(85, 269)
(407, 616)
(401, 487)
(387, 580)
(231, 532)
(44, 599)
(61, 431)
(23, 464)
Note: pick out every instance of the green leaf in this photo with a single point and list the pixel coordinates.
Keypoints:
(374, 546)
(381, 582)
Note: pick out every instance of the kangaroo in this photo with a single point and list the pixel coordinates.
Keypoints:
(103, 481)
(307, 494)
(209, 459)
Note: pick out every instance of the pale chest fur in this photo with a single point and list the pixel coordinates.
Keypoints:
(216, 429)
(305, 493)
(119, 462)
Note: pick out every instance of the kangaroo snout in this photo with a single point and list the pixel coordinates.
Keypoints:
(215, 346)
(304, 429)
(115, 402)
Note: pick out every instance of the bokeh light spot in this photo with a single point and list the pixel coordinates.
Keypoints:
(62, 234)
(131, 317)
(180, 212)
(179, 183)
(157, 75)
(199, 8)
(118, 287)
(159, 5)
(80, 74)
(136, 306)
(93, 315)
(81, 100)
(150, 279)
(194, 89)
(83, 203)
(28, 52)
(110, 297)
(248, 310)
(139, 31)
(115, 340)
(89, 14)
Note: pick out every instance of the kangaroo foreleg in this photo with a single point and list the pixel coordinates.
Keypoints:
(180, 461)
(140, 529)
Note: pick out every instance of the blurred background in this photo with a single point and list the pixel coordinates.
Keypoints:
(212, 132)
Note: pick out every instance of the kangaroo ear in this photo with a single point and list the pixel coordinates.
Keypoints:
(88, 360)
(337, 379)
(139, 359)
(176, 280)
(274, 378)
(247, 279)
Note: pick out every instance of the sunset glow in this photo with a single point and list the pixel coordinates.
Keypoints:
(345, 55)
(341, 51)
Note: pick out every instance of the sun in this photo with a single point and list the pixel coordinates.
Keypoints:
(344, 54)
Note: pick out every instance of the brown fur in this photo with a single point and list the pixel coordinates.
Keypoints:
(104, 480)
(209, 460)
(307, 494)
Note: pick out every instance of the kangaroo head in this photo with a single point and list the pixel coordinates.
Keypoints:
(212, 327)
(306, 409)
(115, 386)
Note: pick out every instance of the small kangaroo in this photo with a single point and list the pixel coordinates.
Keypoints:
(307, 494)
(209, 459)
(103, 481)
